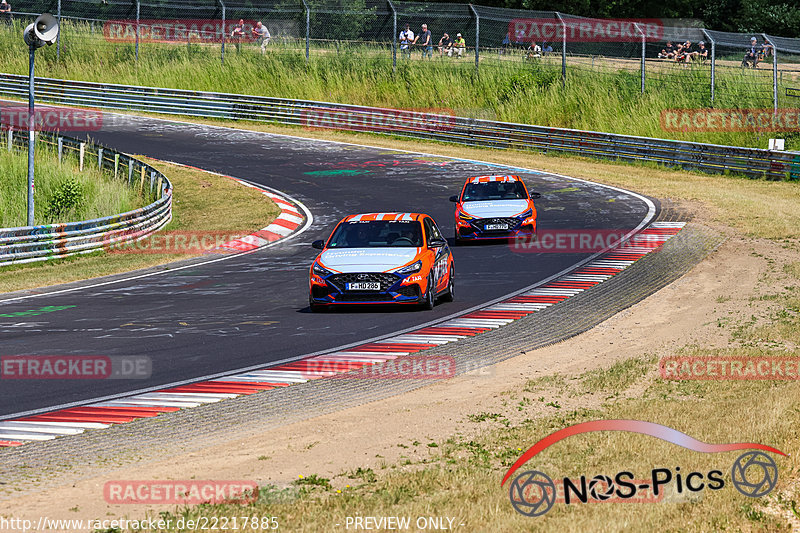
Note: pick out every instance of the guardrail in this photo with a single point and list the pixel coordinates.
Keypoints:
(752, 162)
(51, 241)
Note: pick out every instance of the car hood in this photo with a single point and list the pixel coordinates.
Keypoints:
(495, 208)
(367, 259)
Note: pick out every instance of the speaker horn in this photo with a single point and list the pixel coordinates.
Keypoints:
(44, 30)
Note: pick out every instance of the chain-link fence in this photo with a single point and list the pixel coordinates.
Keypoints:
(699, 66)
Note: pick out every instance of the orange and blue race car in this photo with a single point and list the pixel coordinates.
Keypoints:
(494, 207)
(382, 258)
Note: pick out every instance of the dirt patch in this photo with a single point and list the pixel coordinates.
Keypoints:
(728, 287)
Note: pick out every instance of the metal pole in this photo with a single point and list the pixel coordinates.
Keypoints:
(394, 36)
(308, 29)
(774, 72)
(224, 32)
(713, 63)
(477, 36)
(138, 10)
(58, 37)
(32, 51)
(639, 29)
(563, 51)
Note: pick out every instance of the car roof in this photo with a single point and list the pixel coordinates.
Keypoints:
(487, 179)
(383, 216)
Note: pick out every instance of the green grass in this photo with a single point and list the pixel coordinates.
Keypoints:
(63, 193)
(605, 97)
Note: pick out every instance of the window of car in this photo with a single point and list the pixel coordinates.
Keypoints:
(377, 234)
(432, 231)
(494, 190)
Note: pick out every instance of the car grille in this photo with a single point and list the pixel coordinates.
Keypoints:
(363, 297)
(511, 222)
(411, 291)
(386, 280)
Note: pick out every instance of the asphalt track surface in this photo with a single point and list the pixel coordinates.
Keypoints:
(252, 309)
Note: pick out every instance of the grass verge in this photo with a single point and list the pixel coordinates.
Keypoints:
(459, 478)
(196, 207)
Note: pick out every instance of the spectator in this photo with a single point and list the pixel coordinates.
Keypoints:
(261, 33)
(668, 52)
(445, 46)
(427, 42)
(5, 11)
(751, 55)
(679, 53)
(534, 51)
(701, 53)
(687, 53)
(766, 50)
(519, 38)
(506, 44)
(237, 34)
(406, 40)
(460, 45)
(546, 49)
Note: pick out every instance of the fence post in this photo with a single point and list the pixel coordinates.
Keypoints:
(394, 36)
(224, 32)
(60, 149)
(563, 50)
(10, 138)
(58, 37)
(713, 62)
(644, 40)
(99, 159)
(774, 72)
(477, 36)
(138, 10)
(308, 28)
(82, 153)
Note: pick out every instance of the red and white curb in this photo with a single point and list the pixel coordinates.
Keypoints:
(76, 420)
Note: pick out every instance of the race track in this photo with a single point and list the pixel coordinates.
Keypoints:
(252, 309)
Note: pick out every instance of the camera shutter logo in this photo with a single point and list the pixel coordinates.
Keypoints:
(754, 474)
(532, 493)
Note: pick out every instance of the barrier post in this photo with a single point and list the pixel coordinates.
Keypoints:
(477, 36)
(394, 36)
(774, 72)
(60, 149)
(224, 32)
(644, 40)
(138, 11)
(713, 63)
(308, 28)
(563, 50)
(82, 153)
(58, 36)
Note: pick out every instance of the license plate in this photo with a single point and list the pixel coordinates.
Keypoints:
(489, 227)
(364, 286)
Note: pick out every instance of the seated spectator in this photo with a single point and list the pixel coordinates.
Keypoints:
(445, 46)
(687, 52)
(534, 51)
(460, 45)
(701, 53)
(766, 50)
(680, 54)
(668, 52)
(751, 55)
(546, 49)
(5, 11)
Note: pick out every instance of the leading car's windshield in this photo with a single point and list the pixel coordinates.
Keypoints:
(376, 234)
(494, 190)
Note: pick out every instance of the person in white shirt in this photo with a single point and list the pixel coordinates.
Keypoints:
(261, 33)
(406, 40)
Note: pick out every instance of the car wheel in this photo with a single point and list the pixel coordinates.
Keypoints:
(456, 239)
(430, 298)
(450, 294)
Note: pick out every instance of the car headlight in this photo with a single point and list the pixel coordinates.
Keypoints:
(464, 216)
(526, 214)
(410, 269)
(321, 271)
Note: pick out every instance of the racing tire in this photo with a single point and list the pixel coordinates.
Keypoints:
(430, 298)
(449, 295)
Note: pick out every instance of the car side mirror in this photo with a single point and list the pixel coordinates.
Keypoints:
(454, 199)
(535, 195)
(319, 245)
(437, 243)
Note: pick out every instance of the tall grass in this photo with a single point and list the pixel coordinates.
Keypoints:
(602, 97)
(62, 192)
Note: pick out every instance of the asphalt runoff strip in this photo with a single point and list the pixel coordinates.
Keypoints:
(68, 459)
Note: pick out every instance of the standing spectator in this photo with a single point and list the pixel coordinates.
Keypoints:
(506, 43)
(460, 45)
(519, 38)
(445, 45)
(237, 34)
(427, 42)
(5, 11)
(406, 40)
(751, 55)
(261, 33)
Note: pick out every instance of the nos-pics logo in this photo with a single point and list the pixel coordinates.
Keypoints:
(533, 493)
